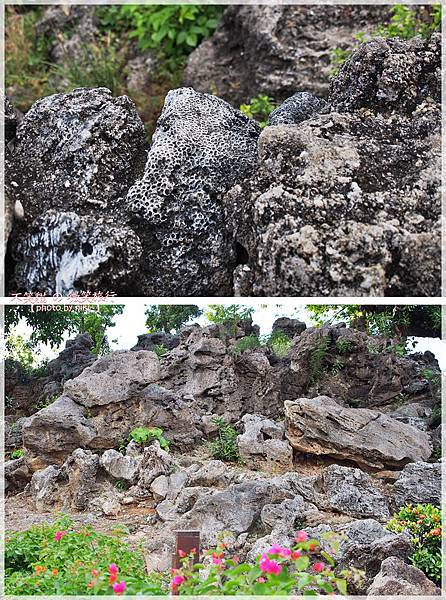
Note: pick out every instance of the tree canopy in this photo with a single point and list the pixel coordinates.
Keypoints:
(50, 326)
(394, 321)
(170, 317)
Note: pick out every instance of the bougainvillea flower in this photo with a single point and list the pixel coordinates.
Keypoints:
(113, 578)
(296, 554)
(269, 566)
(113, 569)
(119, 588)
(177, 580)
(59, 535)
(301, 536)
(94, 572)
(318, 567)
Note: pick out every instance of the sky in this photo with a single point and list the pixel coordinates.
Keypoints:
(131, 324)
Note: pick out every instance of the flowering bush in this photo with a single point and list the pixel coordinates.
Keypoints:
(423, 521)
(59, 559)
(278, 571)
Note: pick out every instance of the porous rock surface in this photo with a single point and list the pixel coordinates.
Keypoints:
(276, 50)
(330, 209)
(96, 218)
(419, 482)
(200, 148)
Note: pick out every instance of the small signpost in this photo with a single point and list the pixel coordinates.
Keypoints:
(187, 542)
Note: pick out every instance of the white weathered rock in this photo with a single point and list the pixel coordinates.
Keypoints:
(119, 466)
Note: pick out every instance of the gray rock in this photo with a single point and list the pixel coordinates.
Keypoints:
(212, 474)
(397, 578)
(300, 107)
(320, 426)
(81, 149)
(419, 482)
(388, 74)
(119, 466)
(276, 49)
(365, 548)
(201, 147)
(159, 488)
(354, 235)
(81, 469)
(130, 371)
(64, 251)
(17, 475)
(154, 462)
(236, 509)
(352, 492)
(73, 359)
(262, 441)
(54, 432)
(148, 341)
(75, 157)
(43, 487)
(290, 327)
(282, 516)
(14, 432)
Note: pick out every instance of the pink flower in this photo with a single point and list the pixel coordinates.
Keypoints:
(285, 552)
(261, 580)
(113, 569)
(318, 567)
(275, 549)
(269, 566)
(216, 560)
(119, 588)
(59, 535)
(301, 536)
(177, 580)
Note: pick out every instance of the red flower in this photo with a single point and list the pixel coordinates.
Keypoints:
(296, 554)
(318, 567)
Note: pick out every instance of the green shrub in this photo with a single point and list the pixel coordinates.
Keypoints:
(160, 350)
(17, 453)
(225, 446)
(404, 23)
(173, 30)
(57, 559)
(248, 342)
(343, 346)
(423, 521)
(259, 109)
(280, 343)
(317, 359)
(143, 435)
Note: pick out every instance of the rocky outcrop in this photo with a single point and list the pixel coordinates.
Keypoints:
(397, 578)
(200, 148)
(17, 475)
(75, 157)
(276, 50)
(148, 341)
(352, 492)
(131, 372)
(300, 107)
(419, 482)
(355, 234)
(288, 326)
(357, 370)
(262, 444)
(76, 356)
(366, 546)
(322, 427)
(51, 434)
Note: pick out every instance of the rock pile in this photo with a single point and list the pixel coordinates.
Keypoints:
(336, 197)
(313, 461)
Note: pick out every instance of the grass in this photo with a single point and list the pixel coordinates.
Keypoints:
(30, 74)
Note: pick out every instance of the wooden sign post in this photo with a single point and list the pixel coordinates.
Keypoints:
(187, 542)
